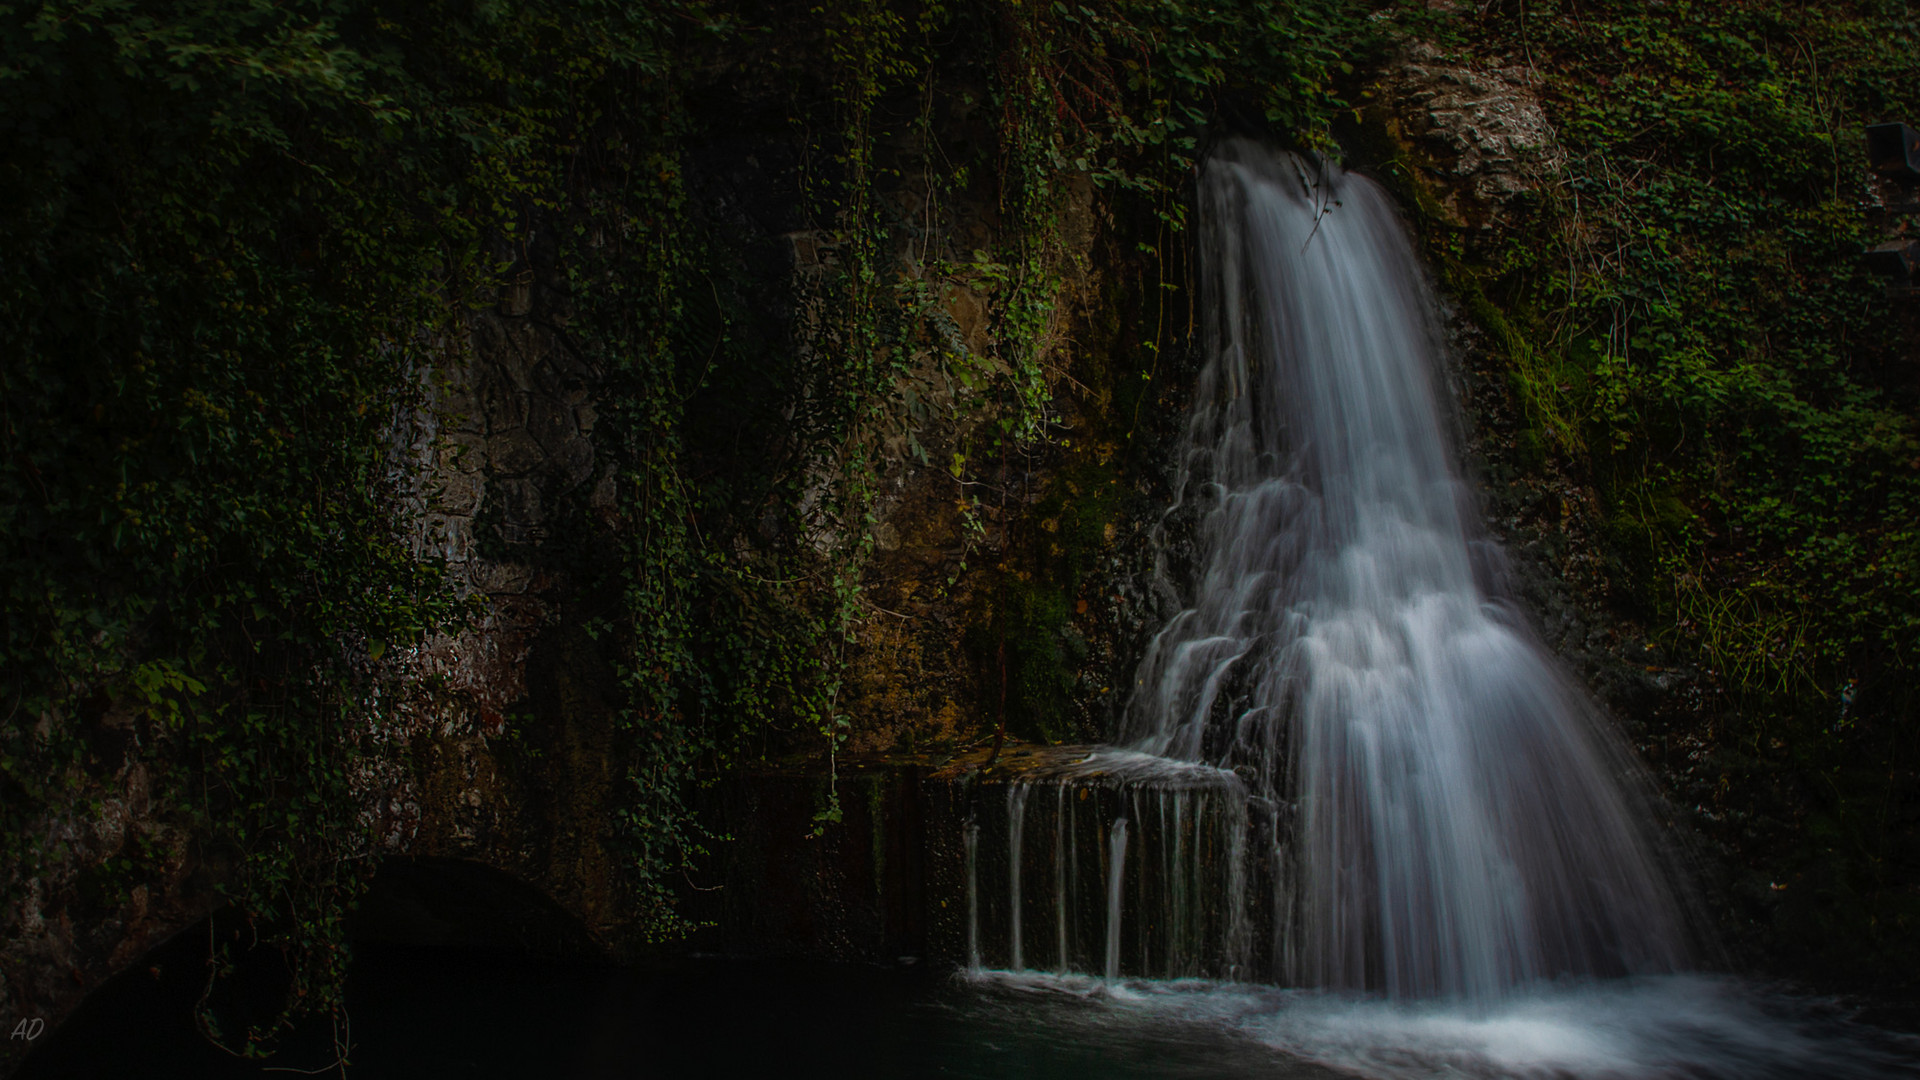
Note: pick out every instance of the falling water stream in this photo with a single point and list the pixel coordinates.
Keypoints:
(1348, 766)
(1459, 823)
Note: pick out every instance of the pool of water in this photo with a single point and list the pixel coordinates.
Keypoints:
(424, 1014)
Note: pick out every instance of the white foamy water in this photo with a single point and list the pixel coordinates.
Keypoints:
(1677, 1026)
(1455, 821)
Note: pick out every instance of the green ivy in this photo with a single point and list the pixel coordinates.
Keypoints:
(239, 234)
(1688, 324)
(242, 234)
(1704, 331)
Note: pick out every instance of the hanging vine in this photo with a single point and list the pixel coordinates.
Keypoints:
(224, 287)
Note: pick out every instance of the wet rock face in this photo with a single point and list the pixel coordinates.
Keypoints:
(113, 885)
(1484, 150)
(1483, 130)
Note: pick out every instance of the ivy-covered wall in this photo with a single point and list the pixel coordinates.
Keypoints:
(465, 428)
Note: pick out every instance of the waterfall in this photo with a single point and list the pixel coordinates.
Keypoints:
(1459, 824)
(1062, 873)
(1347, 762)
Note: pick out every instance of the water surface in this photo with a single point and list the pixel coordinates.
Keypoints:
(423, 1014)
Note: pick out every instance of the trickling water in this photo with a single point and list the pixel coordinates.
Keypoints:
(1016, 828)
(1457, 824)
(973, 895)
(1116, 873)
(1062, 840)
(1179, 884)
(1238, 931)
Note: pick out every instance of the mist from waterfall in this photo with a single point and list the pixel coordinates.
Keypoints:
(1455, 819)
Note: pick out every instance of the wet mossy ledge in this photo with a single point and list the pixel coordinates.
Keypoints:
(439, 432)
(893, 882)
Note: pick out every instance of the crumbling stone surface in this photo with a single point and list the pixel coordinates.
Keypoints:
(1482, 129)
(503, 473)
(78, 920)
(503, 441)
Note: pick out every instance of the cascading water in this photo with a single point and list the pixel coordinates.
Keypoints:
(1460, 824)
(1347, 763)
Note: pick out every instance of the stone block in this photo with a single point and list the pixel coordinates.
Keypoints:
(513, 453)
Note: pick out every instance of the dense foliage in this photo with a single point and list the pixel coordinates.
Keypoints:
(242, 236)
(1739, 380)
(1690, 326)
(234, 237)
(245, 236)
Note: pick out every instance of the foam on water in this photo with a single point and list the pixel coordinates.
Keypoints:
(1693, 1026)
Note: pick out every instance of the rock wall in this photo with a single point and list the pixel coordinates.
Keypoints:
(1472, 152)
(1011, 595)
(501, 744)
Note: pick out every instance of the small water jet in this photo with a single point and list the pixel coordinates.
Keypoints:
(1116, 873)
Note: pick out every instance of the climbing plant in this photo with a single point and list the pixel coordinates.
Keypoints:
(243, 234)
(1706, 334)
(1689, 325)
